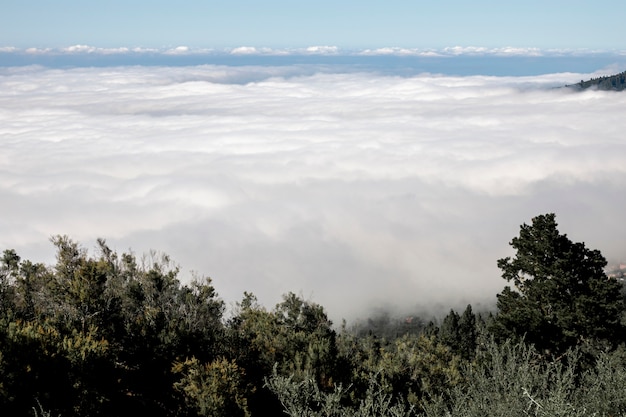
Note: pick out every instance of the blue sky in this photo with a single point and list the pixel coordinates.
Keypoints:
(284, 24)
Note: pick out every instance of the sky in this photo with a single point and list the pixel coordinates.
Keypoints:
(355, 190)
(288, 24)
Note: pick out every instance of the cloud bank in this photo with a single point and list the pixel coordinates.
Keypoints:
(331, 50)
(353, 189)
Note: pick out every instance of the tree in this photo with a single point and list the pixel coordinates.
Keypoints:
(295, 339)
(449, 331)
(98, 335)
(214, 389)
(562, 295)
(467, 334)
(459, 333)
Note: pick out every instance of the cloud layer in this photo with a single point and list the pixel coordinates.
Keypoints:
(356, 190)
(450, 51)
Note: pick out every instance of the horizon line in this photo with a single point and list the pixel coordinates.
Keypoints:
(319, 50)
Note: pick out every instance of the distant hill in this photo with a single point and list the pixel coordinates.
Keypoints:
(615, 82)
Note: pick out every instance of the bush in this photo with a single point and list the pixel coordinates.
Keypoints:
(305, 399)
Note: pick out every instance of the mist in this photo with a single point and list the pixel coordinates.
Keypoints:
(355, 190)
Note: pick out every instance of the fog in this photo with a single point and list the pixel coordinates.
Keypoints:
(354, 190)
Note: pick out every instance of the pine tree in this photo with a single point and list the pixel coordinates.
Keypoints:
(562, 296)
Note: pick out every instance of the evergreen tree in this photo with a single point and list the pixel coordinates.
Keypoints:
(562, 296)
(449, 331)
(467, 334)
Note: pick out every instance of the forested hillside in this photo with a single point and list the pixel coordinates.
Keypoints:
(615, 82)
(110, 334)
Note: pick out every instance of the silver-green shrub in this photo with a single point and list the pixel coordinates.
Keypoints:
(305, 399)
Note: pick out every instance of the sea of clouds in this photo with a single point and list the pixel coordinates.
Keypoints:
(355, 190)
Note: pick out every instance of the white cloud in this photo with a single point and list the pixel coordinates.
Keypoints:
(354, 189)
(401, 52)
(79, 49)
(244, 50)
(315, 50)
(37, 51)
(179, 50)
(323, 50)
(504, 51)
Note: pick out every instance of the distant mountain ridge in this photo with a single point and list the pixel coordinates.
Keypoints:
(615, 82)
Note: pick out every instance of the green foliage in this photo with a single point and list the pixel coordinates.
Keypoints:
(615, 82)
(296, 338)
(562, 295)
(449, 331)
(507, 379)
(602, 387)
(304, 398)
(93, 335)
(416, 365)
(214, 389)
(112, 334)
(467, 334)
(409, 367)
(514, 379)
(459, 333)
(49, 365)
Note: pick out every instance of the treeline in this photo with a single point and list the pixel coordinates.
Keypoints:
(111, 334)
(615, 82)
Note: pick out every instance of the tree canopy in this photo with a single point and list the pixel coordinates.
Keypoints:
(112, 334)
(561, 294)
